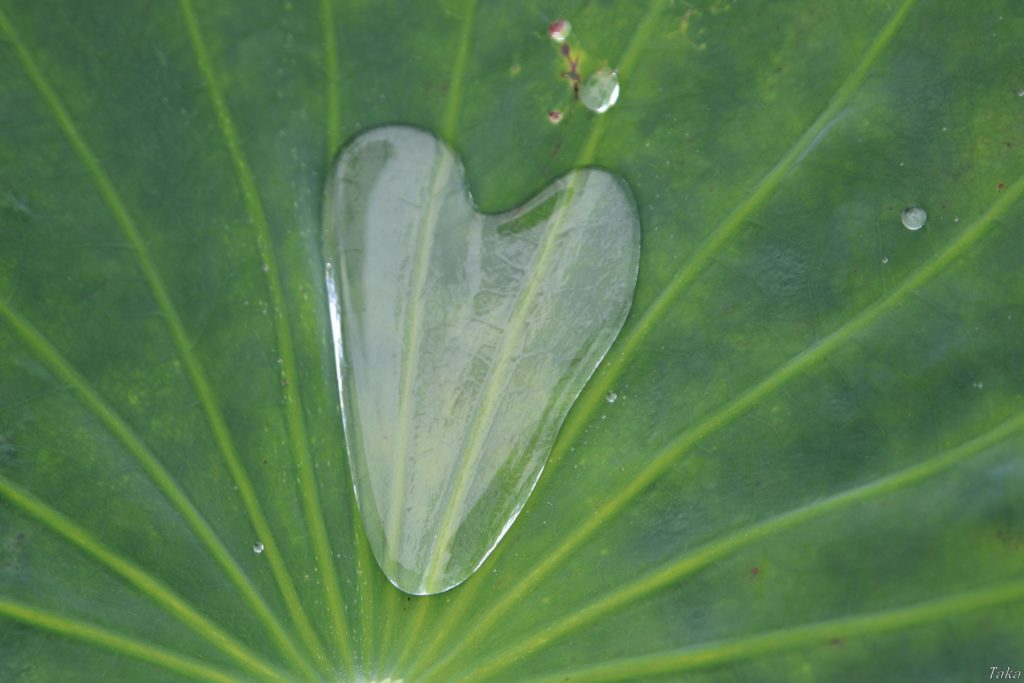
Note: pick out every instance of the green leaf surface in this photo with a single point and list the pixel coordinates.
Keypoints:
(812, 469)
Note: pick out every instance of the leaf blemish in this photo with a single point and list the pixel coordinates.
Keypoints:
(573, 74)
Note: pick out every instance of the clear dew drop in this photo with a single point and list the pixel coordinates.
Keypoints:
(611, 397)
(885, 259)
(601, 91)
(257, 547)
(559, 30)
(914, 218)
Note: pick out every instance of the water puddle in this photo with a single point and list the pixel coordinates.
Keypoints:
(462, 340)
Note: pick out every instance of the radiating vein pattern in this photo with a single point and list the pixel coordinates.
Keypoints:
(119, 644)
(590, 146)
(798, 461)
(699, 558)
(160, 476)
(182, 342)
(698, 656)
(149, 586)
(293, 404)
(684, 442)
(766, 187)
(470, 334)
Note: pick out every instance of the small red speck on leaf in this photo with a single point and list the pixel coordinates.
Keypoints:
(755, 572)
(1001, 186)
(556, 29)
(835, 642)
(555, 116)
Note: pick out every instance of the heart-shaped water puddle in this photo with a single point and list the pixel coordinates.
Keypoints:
(462, 339)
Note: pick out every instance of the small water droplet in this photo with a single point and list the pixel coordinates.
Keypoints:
(257, 547)
(914, 218)
(956, 219)
(611, 396)
(1020, 93)
(559, 30)
(601, 91)
(555, 116)
(885, 259)
(979, 385)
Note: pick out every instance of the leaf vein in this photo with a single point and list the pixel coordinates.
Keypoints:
(293, 405)
(792, 637)
(692, 561)
(59, 366)
(148, 585)
(681, 444)
(449, 123)
(115, 642)
(196, 373)
(466, 595)
(765, 188)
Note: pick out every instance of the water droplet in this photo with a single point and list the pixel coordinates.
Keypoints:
(257, 547)
(611, 396)
(956, 219)
(885, 259)
(601, 91)
(433, 427)
(559, 30)
(979, 385)
(555, 116)
(914, 217)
